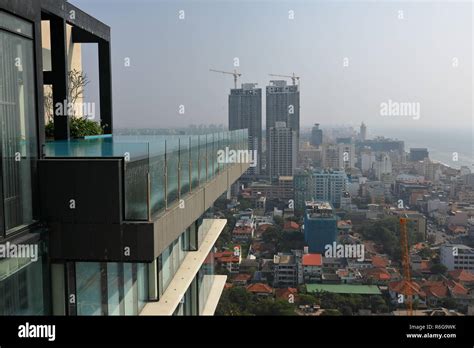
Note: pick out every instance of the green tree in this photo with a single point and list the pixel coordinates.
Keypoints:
(438, 268)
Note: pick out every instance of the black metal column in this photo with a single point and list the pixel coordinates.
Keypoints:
(59, 77)
(105, 86)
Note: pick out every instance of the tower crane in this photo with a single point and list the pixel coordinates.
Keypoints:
(292, 77)
(407, 289)
(235, 73)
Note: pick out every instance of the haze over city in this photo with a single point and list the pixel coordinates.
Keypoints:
(351, 57)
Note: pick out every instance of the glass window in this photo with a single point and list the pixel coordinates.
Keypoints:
(18, 124)
(113, 288)
(89, 298)
(15, 24)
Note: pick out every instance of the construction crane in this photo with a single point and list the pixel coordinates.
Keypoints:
(235, 73)
(407, 285)
(292, 77)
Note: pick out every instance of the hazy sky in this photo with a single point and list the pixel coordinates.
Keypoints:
(424, 58)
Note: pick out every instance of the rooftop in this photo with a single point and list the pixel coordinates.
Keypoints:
(344, 289)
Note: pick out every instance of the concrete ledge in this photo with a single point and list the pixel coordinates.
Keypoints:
(186, 272)
(214, 294)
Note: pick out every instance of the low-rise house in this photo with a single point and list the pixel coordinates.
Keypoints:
(291, 226)
(465, 277)
(287, 269)
(405, 289)
(229, 261)
(241, 279)
(260, 289)
(287, 294)
(312, 267)
(349, 275)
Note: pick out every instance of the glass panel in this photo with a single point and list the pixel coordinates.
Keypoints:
(89, 300)
(157, 174)
(12, 23)
(172, 158)
(18, 131)
(142, 283)
(194, 155)
(130, 306)
(21, 287)
(205, 280)
(113, 288)
(167, 267)
(184, 165)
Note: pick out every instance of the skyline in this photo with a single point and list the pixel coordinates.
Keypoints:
(402, 60)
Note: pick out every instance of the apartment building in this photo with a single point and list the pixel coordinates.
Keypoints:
(115, 225)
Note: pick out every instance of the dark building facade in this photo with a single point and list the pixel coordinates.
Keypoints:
(245, 112)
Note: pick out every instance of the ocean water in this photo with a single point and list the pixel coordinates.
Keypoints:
(441, 143)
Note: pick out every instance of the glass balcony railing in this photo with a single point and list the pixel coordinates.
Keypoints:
(159, 170)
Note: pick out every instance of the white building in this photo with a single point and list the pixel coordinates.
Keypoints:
(457, 256)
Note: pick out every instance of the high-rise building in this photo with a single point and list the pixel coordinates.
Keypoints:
(282, 150)
(382, 165)
(245, 112)
(132, 241)
(316, 135)
(418, 154)
(320, 226)
(363, 132)
(303, 181)
(339, 156)
(282, 105)
(329, 186)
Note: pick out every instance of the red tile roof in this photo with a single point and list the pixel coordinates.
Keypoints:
(462, 275)
(379, 261)
(285, 293)
(229, 259)
(377, 273)
(243, 277)
(312, 260)
(406, 288)
(291, 225)
(259, 288)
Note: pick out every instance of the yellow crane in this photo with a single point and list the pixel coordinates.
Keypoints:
(407, 285)
(235, 73)
(292, 77)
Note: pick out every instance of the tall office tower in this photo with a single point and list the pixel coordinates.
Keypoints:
(320, 226)
(330, 185)
(282, 105)
(282, 150)
(339, 156)
(363, 132)
(245, 111)
(316, 135)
